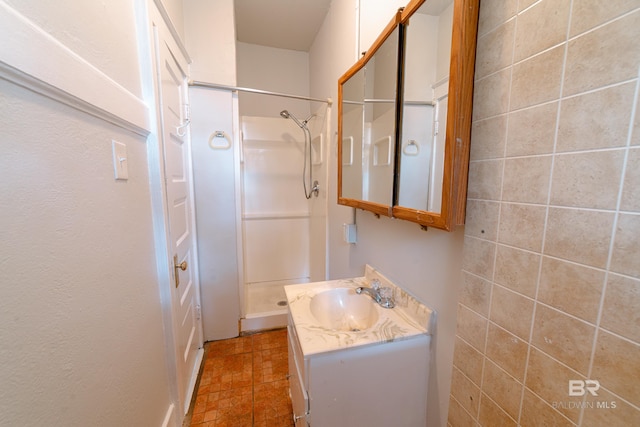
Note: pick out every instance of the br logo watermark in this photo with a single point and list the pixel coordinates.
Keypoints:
(580, 388)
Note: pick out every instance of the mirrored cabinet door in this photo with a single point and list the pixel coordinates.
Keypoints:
(367, 125)
(352, 135)
(379, 142)
(424, 106)
(437, 93)
(404, 116)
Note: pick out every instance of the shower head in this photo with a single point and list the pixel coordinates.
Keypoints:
(307, 149)
(286, 114)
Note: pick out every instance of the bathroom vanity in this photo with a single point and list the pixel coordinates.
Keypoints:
(353, 362)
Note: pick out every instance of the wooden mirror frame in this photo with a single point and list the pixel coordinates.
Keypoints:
(458, 129)
(376, 208)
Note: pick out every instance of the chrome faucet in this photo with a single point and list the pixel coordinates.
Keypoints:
(381, 295)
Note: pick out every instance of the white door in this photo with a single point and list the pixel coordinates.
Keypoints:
(177, 161)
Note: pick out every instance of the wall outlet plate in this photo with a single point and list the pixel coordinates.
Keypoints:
(349, 233)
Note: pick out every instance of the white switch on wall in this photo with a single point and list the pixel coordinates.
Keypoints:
(120, 166)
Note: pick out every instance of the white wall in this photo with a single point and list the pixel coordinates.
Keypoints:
(326, 63)
(445, 27)
(82, 338)
(329, 58)
(216, 215)
(422, 57)
(81, 327)
(424, 263)
(374, 16)
(272, 69)
(103, 33)
(174, 9)
(210, 38)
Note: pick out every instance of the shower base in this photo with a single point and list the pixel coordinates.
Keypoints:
(266, 307)
(262, 321)
(265, 297)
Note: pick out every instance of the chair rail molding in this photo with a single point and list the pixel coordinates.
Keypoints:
(26, 55)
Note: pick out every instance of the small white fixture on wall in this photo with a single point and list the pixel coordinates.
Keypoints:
(347, 151)
(219, 140)
(120, 167)
(382, 152)
(350, 235)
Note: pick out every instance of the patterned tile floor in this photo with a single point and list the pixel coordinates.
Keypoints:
(244, 383)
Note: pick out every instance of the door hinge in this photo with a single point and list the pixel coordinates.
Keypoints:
(198, 312)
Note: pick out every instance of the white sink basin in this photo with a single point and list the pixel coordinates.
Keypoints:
(341, 309)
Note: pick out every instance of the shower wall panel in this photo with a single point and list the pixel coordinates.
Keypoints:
(276, 249)
(275, 212)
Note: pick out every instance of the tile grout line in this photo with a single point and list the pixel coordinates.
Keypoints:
(238, 350)
(253, 382)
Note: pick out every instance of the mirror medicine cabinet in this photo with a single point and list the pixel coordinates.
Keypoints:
(404, 116)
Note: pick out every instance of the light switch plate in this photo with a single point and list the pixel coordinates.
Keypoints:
(120, 161)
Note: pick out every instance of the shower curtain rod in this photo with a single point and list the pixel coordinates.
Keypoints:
(388, 101)
(262, 92)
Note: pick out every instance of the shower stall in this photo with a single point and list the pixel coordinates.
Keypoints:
(260, 183)
(282, 165)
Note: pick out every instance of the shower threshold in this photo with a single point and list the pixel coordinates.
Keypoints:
(262, 321)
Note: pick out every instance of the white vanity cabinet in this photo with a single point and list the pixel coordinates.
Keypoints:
(354, 363)
(382, 384)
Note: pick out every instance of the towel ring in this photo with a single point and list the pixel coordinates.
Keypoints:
(219, 134)
(412, 148)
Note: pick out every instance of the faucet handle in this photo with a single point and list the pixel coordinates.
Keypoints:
(386, 297)
(386, 293)
(375, 284)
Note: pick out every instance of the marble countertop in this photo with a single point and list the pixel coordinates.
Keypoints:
(407, 319)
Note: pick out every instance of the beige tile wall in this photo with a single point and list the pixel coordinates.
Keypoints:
(551, 273)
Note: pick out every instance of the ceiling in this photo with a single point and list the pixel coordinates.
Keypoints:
(285, 24)
(292, 24)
